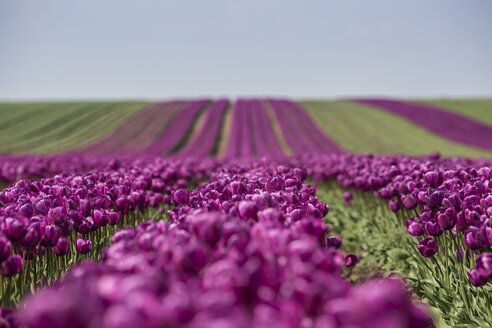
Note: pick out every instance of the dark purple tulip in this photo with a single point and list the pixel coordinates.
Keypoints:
(409, 202)
(122, 203)
(61, 247)
(57, 214)
(66, 228)
(334, 241)
(432, 228)
(277, 183)
(12, 265)
(31, 238)
(426, 215)
(51, 235)
(433, 178)
(43, 206)
(486, 234)
(351, 260)
(247, 209)
(472, 238)
(414, 227)
(269, 215)
(85, 207)
(99, 218)
(297, 214)
(461, 222)
(83, 246)
(447, 219)
(114, 217)
(476, 279)
(434, 200)
(27, 210)
(347, 196)
(5, 247)
(394, 205)
(15, 229)
(75, 216)
(484, 265)
(427, 247)
(180, 196)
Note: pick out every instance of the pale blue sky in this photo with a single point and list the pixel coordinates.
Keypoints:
(109, 49)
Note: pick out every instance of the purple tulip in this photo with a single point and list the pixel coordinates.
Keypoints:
(334, 241)
(180, 196)
(62, 246)
(347, 196)
(409, 202)
(15, 229)
(51, 235)
(351, 260)
(32, 236)
(432, 228)
(433, 178)
(476, 278)
(447, 219)
(27, 210)
(414, 227)
(427, 247)
(114, 217)
(247, 209)
(99, 218)
(484, 265)
(57, 214)
(394, 205)
(5, 247)
(472, 238)
(12, 265)
(43, 206)
(486, 234)
(83, 246)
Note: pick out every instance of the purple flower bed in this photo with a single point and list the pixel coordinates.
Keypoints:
(246, 248)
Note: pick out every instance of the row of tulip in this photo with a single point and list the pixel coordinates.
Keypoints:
(137, 132)
(448, 201)
(302, 133)
(446, 204)
(442, 122)
(249, 248)
(49, 223)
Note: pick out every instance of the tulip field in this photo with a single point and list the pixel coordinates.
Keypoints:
(369, 213)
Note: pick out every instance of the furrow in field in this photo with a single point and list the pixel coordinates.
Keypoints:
(311, 129)
(299, 130)
(439, 121)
